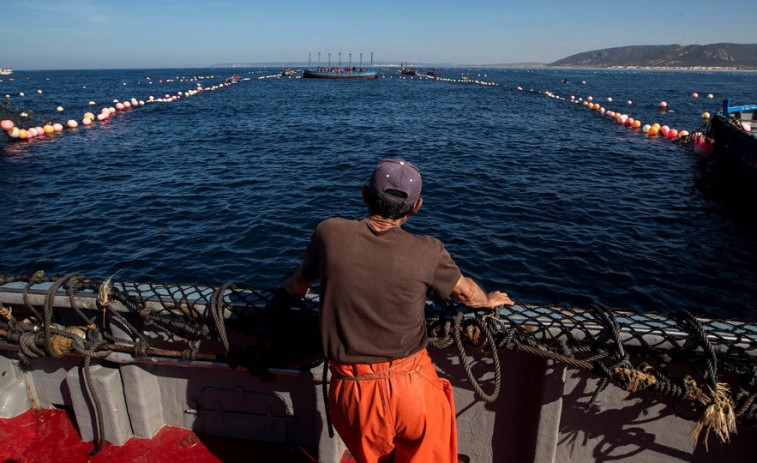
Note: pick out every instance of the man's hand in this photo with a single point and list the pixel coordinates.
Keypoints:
(470, 294)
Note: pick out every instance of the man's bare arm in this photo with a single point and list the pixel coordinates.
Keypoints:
(297, 286)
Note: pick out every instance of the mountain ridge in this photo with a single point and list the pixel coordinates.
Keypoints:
(718, 55)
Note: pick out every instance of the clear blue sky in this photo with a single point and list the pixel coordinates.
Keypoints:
(101, 34)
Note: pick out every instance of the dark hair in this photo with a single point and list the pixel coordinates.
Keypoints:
(385, 209)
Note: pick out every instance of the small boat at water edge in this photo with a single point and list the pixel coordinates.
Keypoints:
(6, 72)
(735, 145)
(287, 72)
(338, 73)
(406, 70)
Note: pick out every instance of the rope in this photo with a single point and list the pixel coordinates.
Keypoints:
(217, 307)
(99, 424)
(488, 398)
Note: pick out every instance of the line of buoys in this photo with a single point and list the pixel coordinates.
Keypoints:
(652, 130)
(89, 119)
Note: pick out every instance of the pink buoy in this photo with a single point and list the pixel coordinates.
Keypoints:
(58, 127)
(672, 133)
(664, 130)
(629, 102)
(127, 104)
(695, 95)
(120, 106)
(86, 122)
(6, 124)
(663, 104)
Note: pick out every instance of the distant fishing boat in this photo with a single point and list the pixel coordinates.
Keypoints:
(339, 72)
(431, 72)
(6, 72)
(406, 70)
(735, 145)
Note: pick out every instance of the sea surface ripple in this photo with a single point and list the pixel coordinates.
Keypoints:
(544, 199)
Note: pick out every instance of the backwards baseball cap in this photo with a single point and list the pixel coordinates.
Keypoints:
(396, 181)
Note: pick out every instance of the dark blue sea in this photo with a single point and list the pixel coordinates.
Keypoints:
(539, 197)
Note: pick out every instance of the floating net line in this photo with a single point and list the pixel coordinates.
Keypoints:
(56, 316)
(25, 117)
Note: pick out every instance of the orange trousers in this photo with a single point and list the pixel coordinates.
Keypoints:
(398, 411)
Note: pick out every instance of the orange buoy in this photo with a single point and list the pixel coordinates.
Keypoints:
(89, 116)
(13, 132)
(683, 134)
(653, 130)
(48, 128)
(705, 116)
(22, 134)
(636, 124)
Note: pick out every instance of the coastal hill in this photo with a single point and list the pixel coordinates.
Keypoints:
(718, 55)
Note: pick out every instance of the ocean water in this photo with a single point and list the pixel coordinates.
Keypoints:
(539, 197)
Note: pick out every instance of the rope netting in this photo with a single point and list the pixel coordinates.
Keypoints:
(709, 362)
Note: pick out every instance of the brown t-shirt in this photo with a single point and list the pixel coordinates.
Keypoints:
(373, 288)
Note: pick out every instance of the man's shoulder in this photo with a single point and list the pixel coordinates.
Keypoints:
(337, 223)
